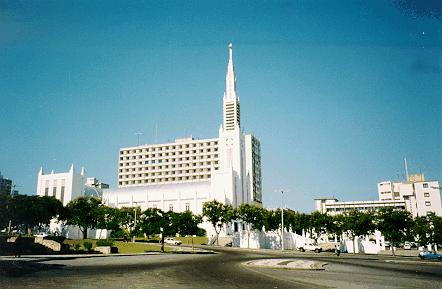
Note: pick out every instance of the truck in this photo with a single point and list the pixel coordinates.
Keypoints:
(310, 247)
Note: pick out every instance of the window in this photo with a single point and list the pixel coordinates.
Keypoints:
(54, 190)
(62, 194)
(187, 206)
(46, 192)
(170, 207)
(427, 204)
(426, 195)
(425, 185)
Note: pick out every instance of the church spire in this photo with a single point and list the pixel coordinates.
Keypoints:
(230, 76)
(231, 100)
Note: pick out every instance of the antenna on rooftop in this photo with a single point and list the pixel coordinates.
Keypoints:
(138, 137)
(406, 169)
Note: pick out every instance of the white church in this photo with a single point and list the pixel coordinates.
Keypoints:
(184, 174)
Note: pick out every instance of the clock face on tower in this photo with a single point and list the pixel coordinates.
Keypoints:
(229, 142)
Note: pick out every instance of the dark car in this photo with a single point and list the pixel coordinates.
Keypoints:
(427, 255)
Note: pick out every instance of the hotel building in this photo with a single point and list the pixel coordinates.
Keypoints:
(184, 174)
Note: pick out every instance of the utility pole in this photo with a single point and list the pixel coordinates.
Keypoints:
(135, 221)
(282, 220)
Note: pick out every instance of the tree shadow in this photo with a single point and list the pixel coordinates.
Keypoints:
(18, 268)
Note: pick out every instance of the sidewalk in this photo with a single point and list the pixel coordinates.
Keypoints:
(401, 252)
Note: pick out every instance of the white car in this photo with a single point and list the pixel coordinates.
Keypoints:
(310, 247)
(407, 246)
(172, 241)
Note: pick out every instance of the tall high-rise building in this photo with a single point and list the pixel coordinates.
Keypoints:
(5, 185)
(184, 174)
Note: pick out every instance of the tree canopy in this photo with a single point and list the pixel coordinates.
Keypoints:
(83, 212)
(218, 214)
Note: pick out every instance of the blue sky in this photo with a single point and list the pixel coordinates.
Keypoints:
(339, 92)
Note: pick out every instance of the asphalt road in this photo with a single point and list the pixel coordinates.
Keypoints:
(221, 270)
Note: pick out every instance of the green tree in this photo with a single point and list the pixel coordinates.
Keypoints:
(218, 215)
(337, 226)
(83, 212)
(119, 221)
(187, 224)
(296, 221)
(150, 221)
(428, 229)
(33, 211)
(4, 211)
(272, 222)
(319, 224)
(358, 224)
(154, 221)
(393, 224)
(253, 216)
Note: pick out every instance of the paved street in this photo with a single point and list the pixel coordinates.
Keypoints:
(221, 270)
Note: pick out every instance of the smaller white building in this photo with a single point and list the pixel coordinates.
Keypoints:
(66, 187)
(333, 207)
(416, 195)
(420, 197)
(63, 186)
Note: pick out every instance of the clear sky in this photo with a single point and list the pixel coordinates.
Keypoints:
(338, 92)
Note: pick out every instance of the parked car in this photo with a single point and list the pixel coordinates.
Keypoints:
(427, 255)
(310, 247)
(172, 241)
(407, 246)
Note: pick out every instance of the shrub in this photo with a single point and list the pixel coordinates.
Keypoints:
(201, 232)
(76, 247)
(87, 245)
(105, 242)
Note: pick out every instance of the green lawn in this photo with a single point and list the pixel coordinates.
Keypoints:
(130, 247)
(196, 240)
(138, 247)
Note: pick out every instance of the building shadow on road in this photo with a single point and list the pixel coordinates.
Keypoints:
(18, 268)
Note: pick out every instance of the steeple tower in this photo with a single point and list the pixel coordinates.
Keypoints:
(231, 111)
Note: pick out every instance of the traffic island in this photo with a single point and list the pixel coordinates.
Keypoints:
(290, 264)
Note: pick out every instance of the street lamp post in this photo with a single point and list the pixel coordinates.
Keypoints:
(282, 220)
(135, 222)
